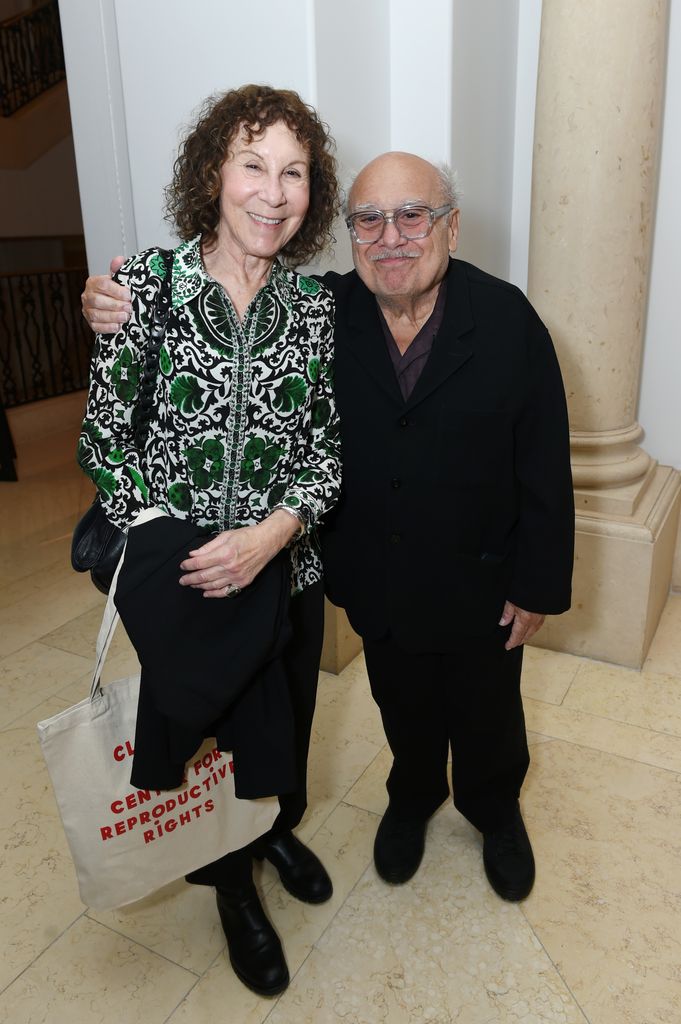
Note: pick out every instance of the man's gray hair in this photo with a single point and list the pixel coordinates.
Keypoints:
(448, 179)
(449, 183)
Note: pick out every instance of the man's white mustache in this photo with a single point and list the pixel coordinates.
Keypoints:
(394, 254)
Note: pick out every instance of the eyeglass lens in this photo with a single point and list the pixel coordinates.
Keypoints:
(412, 222)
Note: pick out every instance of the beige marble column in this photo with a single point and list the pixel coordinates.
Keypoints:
(341, 643)
(598, 119)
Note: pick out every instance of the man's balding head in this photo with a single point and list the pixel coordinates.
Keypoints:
(446, 179)
(397, 269)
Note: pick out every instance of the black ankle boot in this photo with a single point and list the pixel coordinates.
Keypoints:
(255, 951)
(301, 871)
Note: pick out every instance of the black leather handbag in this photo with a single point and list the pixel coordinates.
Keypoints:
(97, 545)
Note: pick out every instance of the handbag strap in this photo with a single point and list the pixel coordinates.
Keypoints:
(111, 617)
(159, 320)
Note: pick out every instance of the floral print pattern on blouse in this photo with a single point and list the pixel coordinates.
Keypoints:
(244, 420)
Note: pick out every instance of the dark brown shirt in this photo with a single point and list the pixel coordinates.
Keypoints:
(408, 367)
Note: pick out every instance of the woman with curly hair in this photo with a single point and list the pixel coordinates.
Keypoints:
(243, 439)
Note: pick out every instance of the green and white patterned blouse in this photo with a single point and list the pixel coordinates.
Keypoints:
(244, 419)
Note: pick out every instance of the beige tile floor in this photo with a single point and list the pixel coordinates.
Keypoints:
(599, 940)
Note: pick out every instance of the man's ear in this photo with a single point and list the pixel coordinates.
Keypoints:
(453, 230)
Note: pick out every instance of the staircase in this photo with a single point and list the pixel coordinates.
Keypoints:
(34, 108)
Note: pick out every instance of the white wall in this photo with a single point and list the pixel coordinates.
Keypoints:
(527, 64)
(421, 62)
(483, 133)
(99, 128)
(660, 401)
(171, 59)
(358, 113)
(144, 67)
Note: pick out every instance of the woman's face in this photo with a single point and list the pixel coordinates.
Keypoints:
(265, 192)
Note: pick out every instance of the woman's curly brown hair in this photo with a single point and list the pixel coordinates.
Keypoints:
(193, 197)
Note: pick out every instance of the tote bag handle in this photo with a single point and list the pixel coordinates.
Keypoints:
(111, 616)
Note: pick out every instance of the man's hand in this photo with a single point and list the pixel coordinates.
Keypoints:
(525, 624)
(106, 305)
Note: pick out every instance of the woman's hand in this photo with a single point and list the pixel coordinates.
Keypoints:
(234, 558)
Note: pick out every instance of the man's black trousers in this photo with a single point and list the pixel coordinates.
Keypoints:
(467, 700)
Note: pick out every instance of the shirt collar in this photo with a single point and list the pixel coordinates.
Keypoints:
(190, 276)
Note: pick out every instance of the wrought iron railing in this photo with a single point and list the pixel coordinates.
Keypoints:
(45, 345)
(31, 56)
(8, 452)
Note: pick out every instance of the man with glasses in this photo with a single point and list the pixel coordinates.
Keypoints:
(454, 534)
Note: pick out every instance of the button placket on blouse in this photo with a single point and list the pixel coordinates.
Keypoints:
(238, 405)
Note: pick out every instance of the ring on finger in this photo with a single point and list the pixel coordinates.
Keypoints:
(231, 590)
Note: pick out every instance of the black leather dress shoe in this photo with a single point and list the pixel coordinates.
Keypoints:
(301, 871)
(398, 847)
(255, 951)
(508, 859)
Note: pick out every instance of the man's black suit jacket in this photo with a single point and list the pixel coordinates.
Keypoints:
(460, 497)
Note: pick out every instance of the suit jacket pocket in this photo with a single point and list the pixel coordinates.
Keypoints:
(467, 598)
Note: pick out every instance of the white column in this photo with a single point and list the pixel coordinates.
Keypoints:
(598, 122)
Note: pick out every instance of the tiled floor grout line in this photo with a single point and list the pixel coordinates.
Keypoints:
(142, 945)
(45, 696)
(323, 931)
(361, 775)
(41, 638)
(555, 967)
(185, 997)
(341, 800)
(570, 685)
(332, 919)
(65, 650)
(616, 721)
(623, 721)
(12, 723)
(20, 579)
(43, 951)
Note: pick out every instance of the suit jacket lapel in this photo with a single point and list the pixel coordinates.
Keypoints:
(366, 340)
(450, 351)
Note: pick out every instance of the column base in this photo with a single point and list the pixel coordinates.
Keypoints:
(616, 501)
(623, 567)
(341, 643)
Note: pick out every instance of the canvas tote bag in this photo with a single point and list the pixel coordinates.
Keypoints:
(127, 842)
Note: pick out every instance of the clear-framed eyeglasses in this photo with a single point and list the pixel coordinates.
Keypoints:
(412, 221)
